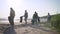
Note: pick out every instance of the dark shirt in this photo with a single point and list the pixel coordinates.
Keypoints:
(26, 15)
(35, 16)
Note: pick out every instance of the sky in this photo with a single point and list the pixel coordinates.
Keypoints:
(42, 7)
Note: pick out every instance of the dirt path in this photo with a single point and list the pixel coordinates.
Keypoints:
(28, 29)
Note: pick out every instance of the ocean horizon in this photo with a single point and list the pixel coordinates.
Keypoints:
(18, 20)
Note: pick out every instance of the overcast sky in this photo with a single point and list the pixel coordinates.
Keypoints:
(42, 7)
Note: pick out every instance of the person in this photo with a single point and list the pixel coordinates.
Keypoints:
(35, 18)
(21, 19)
(48, 17)
(26, 16)
(38, 19)
(11, 17)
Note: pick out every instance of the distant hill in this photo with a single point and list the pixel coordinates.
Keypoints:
(2, 19)
(51, 16)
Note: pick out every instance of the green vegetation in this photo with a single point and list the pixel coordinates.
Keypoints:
(55, 22)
